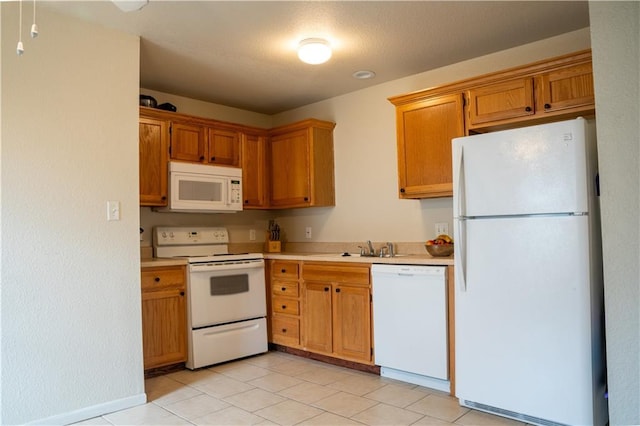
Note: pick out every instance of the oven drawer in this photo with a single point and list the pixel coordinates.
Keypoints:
(284, 270)
(162, 278)
(285, 305)
(213, 345)
(284, 288)
(285, 330)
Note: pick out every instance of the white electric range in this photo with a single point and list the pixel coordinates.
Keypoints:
(226, 297)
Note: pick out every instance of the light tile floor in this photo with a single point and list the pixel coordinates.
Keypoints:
(282, 389)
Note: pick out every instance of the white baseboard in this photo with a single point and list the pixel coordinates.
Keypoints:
(92, 411)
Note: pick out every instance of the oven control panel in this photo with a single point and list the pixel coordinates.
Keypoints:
(172, 236)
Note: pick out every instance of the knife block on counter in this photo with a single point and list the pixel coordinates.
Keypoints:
(271, 246)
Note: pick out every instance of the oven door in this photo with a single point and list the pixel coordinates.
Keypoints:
(225, 292)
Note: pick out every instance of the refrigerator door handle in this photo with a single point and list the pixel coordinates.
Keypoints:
(460, 182)
(461, 254)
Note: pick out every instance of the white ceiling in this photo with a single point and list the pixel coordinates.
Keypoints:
(242, 53)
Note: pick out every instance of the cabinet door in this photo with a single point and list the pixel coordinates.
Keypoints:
(224, 146)
(253, 153)
(153, 152)
(164, 328)
(501, 101)
(352, 319)
(317, 317)
(187, 142)
(567, 88)
(290, 169)
(425, 130)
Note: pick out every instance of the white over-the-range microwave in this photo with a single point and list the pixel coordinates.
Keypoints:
(203, 188)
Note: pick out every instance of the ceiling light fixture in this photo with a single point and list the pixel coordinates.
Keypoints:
(363, 74)
(314, 51)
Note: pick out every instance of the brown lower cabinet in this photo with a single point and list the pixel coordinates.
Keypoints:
(337, 310)
(322, 307)
(164, 320)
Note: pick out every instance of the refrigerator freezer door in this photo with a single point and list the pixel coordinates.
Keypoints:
(532, 170)
(523, 323)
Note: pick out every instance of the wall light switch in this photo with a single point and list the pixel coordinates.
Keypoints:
(113, 210)
(252, 234)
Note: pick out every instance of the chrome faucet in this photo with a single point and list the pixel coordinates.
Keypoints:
(390, 250)
(372, 251)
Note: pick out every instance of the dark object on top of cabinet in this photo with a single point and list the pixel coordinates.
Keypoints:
(167, 107)
(148, 101)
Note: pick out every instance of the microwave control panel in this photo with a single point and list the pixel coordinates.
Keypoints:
(236, 192)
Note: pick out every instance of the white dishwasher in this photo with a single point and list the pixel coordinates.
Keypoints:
(410, 323)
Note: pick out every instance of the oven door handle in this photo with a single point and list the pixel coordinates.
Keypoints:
(223, 266)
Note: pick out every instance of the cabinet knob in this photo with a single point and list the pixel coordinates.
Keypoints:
(326, 289)
(547, 106)
(402, 190)
(283, 289)
(284, 330)
(164, 198)
(306, 198)
(157, 279)
(283, 270)
(337, 290)
(213, 159)
(201, 157)
(284, 306)
(182, 293)
(528, 109)
(246, 201)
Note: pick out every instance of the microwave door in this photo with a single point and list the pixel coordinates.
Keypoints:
(198, 192)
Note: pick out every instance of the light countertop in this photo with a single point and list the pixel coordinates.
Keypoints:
(408, 259)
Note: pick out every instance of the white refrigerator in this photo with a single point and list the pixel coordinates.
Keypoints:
(528, 269)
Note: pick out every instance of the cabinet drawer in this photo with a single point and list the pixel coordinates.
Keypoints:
(285, 288)
(162, 278)
(284, 270)
(285, 305)
(286, 331)
(352, 273)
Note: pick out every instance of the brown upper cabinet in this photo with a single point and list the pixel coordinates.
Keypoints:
(153, 154)
(555, 89)
(285, 167)
(555, 93)
(202, 144)
(253, 155)
(301, 165)
(424, 133)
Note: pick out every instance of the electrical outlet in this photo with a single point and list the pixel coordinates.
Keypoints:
(307, 232)
(442, 228)
(252, 234)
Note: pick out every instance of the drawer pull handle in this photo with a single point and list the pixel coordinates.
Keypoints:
(284, 306)
(284, 330)
(337, 290)
(283, 270)
(157, 279)
(283, 289)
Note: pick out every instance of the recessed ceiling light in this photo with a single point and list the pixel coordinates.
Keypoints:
(314, 51)
(363, 74)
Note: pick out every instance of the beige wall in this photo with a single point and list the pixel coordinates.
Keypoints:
(615, 29)
(71, 326)
(367, 205)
